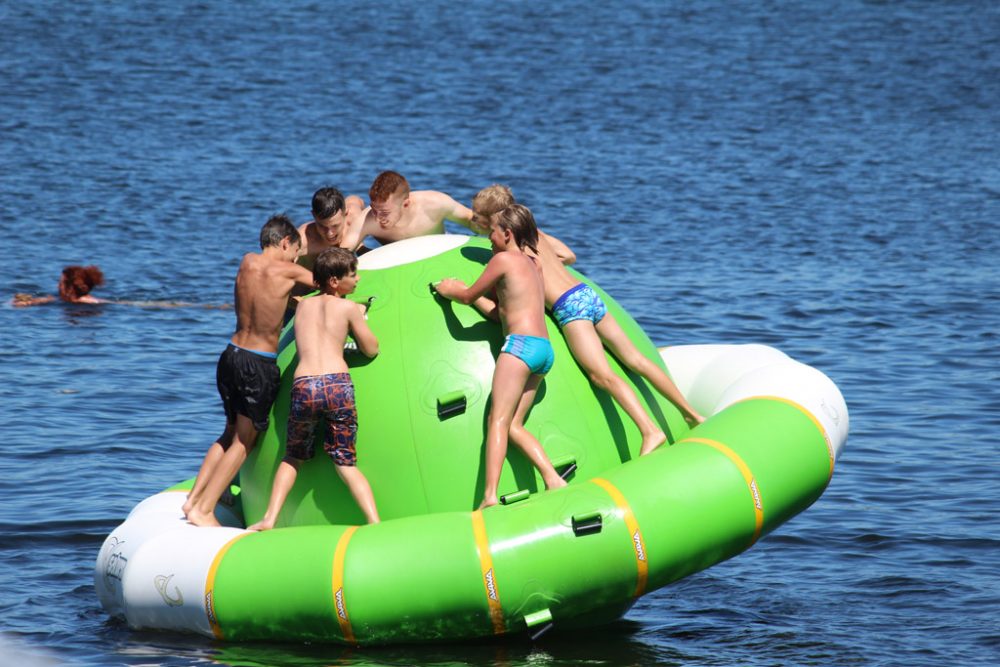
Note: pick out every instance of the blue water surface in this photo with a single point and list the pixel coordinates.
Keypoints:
(820, 177)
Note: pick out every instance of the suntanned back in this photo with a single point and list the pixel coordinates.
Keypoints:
(321, 326)
(520, 295)
(557, 280)
(261, 295)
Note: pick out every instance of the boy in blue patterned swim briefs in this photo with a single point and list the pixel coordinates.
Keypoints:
(322, 391)
(519, 304)
(588, 328)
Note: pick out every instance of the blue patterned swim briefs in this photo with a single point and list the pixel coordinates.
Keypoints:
(579, 303)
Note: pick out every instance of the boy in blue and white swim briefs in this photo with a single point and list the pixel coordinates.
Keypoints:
(534, 351)
(579, 303)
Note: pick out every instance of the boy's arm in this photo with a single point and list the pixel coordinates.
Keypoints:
(456, 290)
(363, 336)
(354, 234)
(300, 275)
(488, 307)
(561, 250)
(456, 212)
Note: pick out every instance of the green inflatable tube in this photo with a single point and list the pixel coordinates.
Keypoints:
(435, 568)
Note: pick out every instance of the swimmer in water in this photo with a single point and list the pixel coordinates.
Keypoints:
(74, 287)
(77, 282)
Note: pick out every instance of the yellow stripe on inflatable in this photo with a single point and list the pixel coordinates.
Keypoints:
(486, 569)
(213, 620)
(339, 601)
(638, 545)
(758, 504)
(812, 418)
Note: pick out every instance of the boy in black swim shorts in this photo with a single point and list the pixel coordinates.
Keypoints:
(322, 390)
(247, 373)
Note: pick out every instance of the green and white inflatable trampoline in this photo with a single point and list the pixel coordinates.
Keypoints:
(436, 568)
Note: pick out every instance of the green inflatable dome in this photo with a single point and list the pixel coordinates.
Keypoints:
(422, 402)
(435, 568)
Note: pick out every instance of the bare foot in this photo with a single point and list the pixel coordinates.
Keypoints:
(263, 524)
(488, 502)
(693, 419)
(651, 442)
(201, 520)
(556, 482)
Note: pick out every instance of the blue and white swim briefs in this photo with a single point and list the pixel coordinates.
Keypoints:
(579, 303)
(534, 351)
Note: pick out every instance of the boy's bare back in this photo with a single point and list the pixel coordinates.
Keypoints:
(556, 278)
(321, 326)
(520, 294)
(261, 294)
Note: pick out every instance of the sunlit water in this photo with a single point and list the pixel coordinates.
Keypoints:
(821, 177)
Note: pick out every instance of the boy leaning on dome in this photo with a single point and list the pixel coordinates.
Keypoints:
(510, 290)
(322, 390)
(588, 327)
(397, 213)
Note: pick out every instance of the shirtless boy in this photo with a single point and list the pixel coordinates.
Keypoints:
(247, 374)
(332, 214)
(588, 327)
(396, 213)
(510, 290)
(322, 389)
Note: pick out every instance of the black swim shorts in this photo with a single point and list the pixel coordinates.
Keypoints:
(248, 384)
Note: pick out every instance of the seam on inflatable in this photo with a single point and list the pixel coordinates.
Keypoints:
(758, 503)
(487, 572)
(635, 534)
(812, 417)
(213, 620)
(339, 599)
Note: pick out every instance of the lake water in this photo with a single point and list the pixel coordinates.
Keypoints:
(820, 177)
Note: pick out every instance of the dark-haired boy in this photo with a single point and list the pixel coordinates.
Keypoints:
(247, 374)
(322, 391)
(333, 214)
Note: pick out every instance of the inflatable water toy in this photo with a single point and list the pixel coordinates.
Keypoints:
(435, 568)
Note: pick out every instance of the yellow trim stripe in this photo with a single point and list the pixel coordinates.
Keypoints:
(638, 545)
(213, 620)
(758, 504)
(487, 572)
(812, 418)
(339, 600)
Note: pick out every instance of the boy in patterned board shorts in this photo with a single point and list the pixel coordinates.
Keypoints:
(588, 328)
(519, 305)
(247, 373)
(322, 391)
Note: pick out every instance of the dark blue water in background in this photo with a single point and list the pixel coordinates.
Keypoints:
(821, 177)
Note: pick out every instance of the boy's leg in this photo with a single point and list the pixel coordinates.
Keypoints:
(509, 378)
(625, 350)
(358, 485)
(585, 344)
(284, 480)
(527, 442)
(215, 452)
(203, 512)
